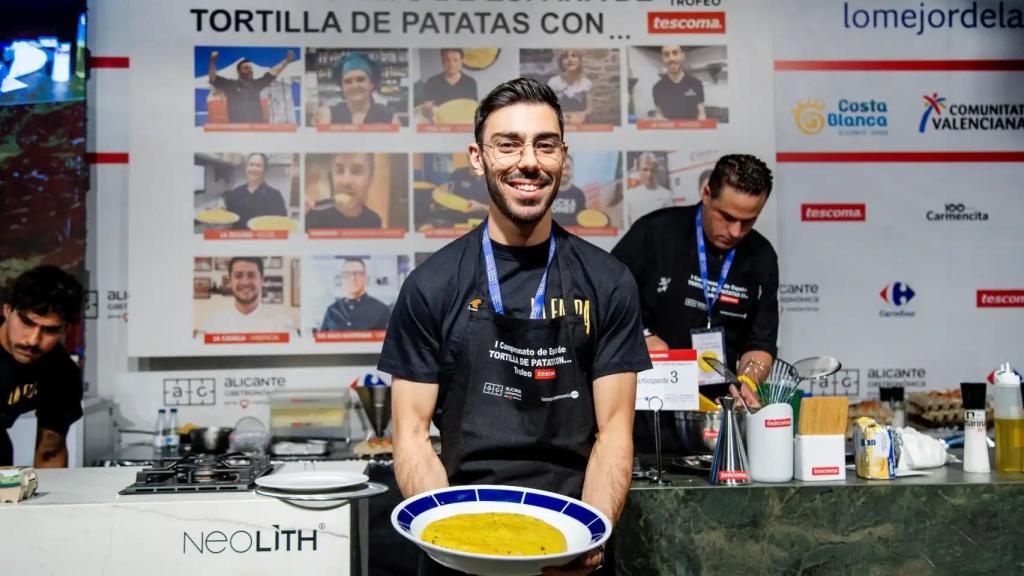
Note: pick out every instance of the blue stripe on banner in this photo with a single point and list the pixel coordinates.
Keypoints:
(417, 507)
(498, 495)
(544, 501)
(456, 496)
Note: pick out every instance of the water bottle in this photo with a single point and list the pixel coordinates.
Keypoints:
(173, 440)
(159, 440)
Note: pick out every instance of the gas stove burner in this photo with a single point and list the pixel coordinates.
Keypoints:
(201, 473)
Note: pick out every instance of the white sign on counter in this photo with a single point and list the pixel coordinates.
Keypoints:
(671, 384)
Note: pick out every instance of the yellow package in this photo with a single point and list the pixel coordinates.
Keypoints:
(874, 450)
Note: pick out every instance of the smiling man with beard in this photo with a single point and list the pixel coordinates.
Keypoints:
(526, 337)
(247, 314)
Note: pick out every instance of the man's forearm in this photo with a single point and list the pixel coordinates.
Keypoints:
(609, 473)
(417, 466)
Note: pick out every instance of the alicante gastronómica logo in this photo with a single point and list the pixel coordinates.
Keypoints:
(897, 296)
(956, 212)
(847, 117)
(941, 115)
(800, 297)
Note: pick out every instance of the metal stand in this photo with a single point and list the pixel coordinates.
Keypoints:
(659, 472)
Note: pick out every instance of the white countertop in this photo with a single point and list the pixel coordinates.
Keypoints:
(84, 486)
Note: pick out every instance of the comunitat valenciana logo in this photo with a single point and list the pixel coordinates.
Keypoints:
(849, 117)
(941, 115)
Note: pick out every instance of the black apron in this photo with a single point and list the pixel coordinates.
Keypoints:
(538, 434)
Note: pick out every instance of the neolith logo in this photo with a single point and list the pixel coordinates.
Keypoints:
(246, 541)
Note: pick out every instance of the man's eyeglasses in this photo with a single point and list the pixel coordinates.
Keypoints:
(549, 152)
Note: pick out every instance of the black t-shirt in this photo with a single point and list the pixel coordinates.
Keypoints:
(432, 310)
(331, 218)
(52, 386)
(439, 91)
(678, 101)
(244, 97)
(363, 313)
(661, 252)
(265, 201)
(567, 205)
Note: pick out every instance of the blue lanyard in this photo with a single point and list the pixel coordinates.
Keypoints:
(710, 297)
(492, 277)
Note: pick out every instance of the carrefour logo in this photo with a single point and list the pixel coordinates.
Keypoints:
(848, 117)
(897, 293)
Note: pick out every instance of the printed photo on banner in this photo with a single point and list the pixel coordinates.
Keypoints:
(349, 297)
(357, 195)
(449, 199)
(589, 200)
(357, 90)
(453, 80)
(657, 179)
(251, 196)
(43, 54)
(586, 82)
(248, 88)
(678, 87)
(245, 299)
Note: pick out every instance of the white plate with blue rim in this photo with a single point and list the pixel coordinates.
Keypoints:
(584, 527)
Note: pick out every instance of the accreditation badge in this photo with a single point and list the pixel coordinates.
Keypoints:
(708, 342)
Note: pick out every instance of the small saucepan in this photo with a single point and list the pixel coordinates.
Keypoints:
(209, 440)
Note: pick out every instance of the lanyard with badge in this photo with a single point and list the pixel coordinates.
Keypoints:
(537, 311)
(709, 341)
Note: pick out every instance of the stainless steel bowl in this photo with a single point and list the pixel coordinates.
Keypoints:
(210, 440)
(698, 431)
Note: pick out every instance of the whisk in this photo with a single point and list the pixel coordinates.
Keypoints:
(781, 383)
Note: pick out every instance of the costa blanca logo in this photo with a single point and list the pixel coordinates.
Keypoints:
(941, 115)
(847, 117)
(810, 116)
(833, 212)
(1000, 298)
(956, 212)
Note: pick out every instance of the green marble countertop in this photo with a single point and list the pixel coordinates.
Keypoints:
(947, 522)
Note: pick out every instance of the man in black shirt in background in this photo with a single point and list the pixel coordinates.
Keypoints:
(678, 95)
(350, 177)
(255, 197)
(36, 372)
(741, 279)
(451, 84)
(243, 94)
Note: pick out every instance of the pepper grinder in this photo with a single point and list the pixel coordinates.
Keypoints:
(729, 466)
